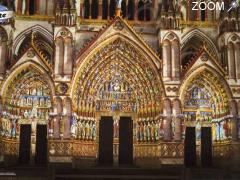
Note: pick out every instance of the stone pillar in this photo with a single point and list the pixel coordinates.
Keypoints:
(57, 118)
(46, 8)
(68, 56)
(175, 60)
(27, 7)
(231, 62)
(166, 56)
(37, 6)
(100, 9)
(81, 10)
(3, 53)
(90, 9)
(19, 7)
(135, 10)
(237, 59)
(167, 119)
(177, 120)
(234, 112)
(23, 6)
(59, 56)
(67, 111)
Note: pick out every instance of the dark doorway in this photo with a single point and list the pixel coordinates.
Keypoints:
(190, 147)
(206, 146)
(41, 145)
(31, 7)
(25, 144)
(106, 140)
(125, 141)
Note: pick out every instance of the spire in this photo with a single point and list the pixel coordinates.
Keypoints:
(118, 8)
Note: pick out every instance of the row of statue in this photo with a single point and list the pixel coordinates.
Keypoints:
(116, 106)
(149, 131)
(221, 130)
(198, 96)
(194, 117)
(9, 128)
(116, 84)
(83, 129)
(36, 101)
(114, 95)
(27, 114)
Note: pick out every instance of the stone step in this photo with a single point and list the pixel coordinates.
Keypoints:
(117, 177)
(120, 173)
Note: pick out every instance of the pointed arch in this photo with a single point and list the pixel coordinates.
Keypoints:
(201, 36)
(171, 36)
(192, 42)
(211, 80)
(3, 50)
(106, 65)
(28, 65)
(48, 36)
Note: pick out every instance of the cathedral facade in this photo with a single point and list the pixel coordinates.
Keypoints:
(97, 77)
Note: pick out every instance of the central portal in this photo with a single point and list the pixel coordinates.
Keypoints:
(125, 140)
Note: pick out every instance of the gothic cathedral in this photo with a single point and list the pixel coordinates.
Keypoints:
(106, 81)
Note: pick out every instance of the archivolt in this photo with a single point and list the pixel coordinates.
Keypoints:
(213, 84)
(119, 57)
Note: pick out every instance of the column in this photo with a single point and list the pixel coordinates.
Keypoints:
(100, 9)
(59, 56)
(166, 50)
(3, 53)
(175, 60)
(56, 132)
(67, 112)
(177, 120)
(237, 59)
(23, 7)
(167, 119)
(19, 7)
(135, 10)
(90, 9)
(108, 17)
(57, 117)
(27, 6)
(154, 7)
(68, 51)
(37, 6)
(231, 61)
(234, 112)
(46, 8)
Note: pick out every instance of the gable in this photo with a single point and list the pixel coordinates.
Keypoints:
(204, 59)
(118, 28)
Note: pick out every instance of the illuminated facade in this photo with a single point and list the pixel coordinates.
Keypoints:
(66, 64)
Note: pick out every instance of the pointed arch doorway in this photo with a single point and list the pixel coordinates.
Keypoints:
(205, 98)
(119, 79)
(27, 100)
